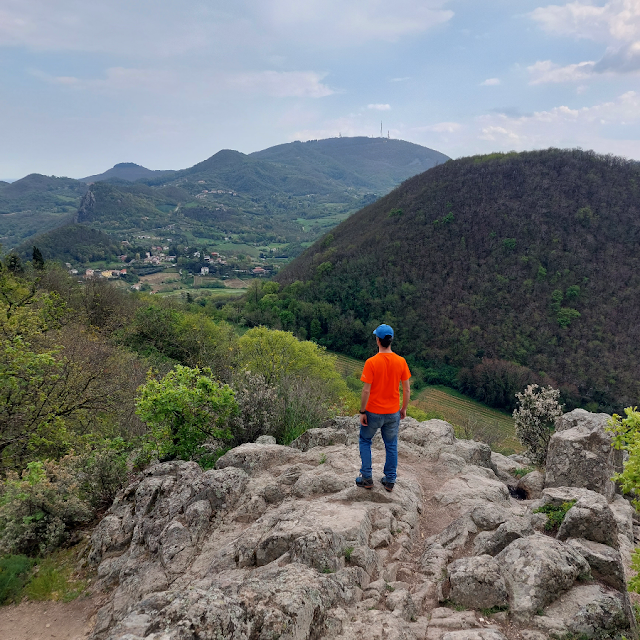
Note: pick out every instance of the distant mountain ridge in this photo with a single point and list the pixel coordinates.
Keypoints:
(124, 171)
(288, 194)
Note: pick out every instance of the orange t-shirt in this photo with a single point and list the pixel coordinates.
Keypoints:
(384, 372)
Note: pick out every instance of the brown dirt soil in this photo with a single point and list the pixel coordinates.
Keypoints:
(47, 620)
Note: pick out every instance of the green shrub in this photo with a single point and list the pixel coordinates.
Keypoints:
(102, 472)
(183, 409)
(555, 514)
(38, 509)
(14, 571)
(417, 413)
(519, 473)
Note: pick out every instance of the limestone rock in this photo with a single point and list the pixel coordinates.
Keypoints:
(443, 619)
(319, 438)
(489, 516)
(467, 489)
(401, 603)
(588, 610)
(494, 542)
(505, 466)
(476, 583)
(253, 458)
(532, 485)
(605, 562)
(314, 483)
(479, 634)
(265, 440)
(590, 519)
(536, 570)
(580, 454)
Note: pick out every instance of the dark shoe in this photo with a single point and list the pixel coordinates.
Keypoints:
(386, 484)
(364, 483)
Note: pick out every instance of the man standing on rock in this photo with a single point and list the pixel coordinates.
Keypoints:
(380, 407)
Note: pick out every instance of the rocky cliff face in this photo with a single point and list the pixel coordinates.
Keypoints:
(278, 542)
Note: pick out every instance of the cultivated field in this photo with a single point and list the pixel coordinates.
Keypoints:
(470, 417)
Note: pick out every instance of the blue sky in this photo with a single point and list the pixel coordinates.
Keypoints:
(84, 85)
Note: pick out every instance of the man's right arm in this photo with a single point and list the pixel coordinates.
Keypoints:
(406, 396)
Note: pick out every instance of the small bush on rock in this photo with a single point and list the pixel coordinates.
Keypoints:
(555, 514)
(535, 419)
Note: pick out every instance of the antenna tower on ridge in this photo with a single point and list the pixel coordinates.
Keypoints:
(381, 135)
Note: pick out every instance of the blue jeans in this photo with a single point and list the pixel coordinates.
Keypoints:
(389, 425)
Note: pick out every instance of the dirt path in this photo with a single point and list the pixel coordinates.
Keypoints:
(47, 620)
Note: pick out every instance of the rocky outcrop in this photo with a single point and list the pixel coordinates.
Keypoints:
(279, 542)
(580, 453)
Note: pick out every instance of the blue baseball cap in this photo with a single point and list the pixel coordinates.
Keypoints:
(383, 330)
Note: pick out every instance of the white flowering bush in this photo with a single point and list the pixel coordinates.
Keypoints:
(535, 417)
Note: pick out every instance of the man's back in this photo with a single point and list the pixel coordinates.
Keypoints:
(383, 372)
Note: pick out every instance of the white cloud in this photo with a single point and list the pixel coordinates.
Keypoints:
(166, 81)
(545, 71)
(379, 107)
(352, 22)
(562, 126)
(284, 84)
(161, 28)
(490, 82)
(117, 26)
(403, 79)
(615, 24)
(441, 127)
(607, 127)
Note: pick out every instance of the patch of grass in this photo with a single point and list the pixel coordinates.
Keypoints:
(491, 610)
(327, 570)
(453, 605)
(323, 458)
(347, 553)
(388, 587)
(519, 473)
(14, 572)
(421, 415)
(55, 579)
(555, 514)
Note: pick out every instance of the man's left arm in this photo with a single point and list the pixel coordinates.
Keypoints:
(364, 398)
(406, 396)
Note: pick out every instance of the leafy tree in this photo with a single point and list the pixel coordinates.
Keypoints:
(37, 259)
(309, 388)
(535, 419)
(183, 409)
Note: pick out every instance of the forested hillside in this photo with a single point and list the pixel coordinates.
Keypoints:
(508, 268)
